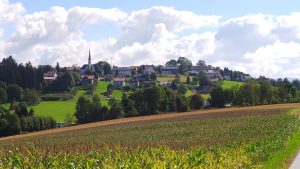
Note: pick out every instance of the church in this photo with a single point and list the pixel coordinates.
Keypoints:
(88, 75)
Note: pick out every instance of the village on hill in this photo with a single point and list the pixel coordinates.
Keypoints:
(149, 75)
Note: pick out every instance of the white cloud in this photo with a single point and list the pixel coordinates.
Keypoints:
(10, 12)
(140, 25)
(274, 59)
(257, 44)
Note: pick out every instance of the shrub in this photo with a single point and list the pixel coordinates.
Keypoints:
(3, 96)
(9, 123)
(36, 123)
(196, 102)
(32, 97)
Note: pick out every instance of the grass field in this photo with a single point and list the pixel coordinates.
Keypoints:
(55, 109)
(59, 109)
(229, 84)
(201, 139)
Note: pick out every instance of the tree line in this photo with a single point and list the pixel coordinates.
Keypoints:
(147, 101)
(257, 92)
(22, 119)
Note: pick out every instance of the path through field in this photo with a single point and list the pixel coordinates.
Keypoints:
(147, 118)
(296, 162)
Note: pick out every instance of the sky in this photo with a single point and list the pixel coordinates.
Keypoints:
(254, 36)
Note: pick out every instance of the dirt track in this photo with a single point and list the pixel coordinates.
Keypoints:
(147, 118)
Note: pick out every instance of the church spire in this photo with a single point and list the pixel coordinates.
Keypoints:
(90, 60)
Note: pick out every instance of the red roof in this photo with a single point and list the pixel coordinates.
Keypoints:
(87, 76)
(119, 79)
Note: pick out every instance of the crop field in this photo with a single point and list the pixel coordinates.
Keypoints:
(218, 138)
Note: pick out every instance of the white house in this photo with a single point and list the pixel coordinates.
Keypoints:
(50, 75)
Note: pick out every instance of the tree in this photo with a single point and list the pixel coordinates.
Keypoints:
(293, 92)
(188, 80)
(57, 67)
(9, 123)
(171, 63)
(266, 92)
(22, 111)
(177, 78)
(203, 79)
(217, 97)
(14, 92)
(31, 97)
(229, 96)
(95, 110)
(116, 110)
(250, 93)
(296, 83)
(63, 83)
(82, 107)
(184, 65)
(69, 118)
(196, 102)
(3, 96)
(182, 104)
(182, 89)
(3, 85)
(109, 89)
(103, 68)
(153, 76)
(128, 106)
(201, 63)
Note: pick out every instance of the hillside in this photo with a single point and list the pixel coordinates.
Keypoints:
(226, 84)
(230, 131)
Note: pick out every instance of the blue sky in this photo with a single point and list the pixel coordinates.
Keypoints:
(260, 37)
(227, 8)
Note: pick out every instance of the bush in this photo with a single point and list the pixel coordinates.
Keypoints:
(9, 123)
(32, 97)
(196, 102)
(3, 96)
(22, 111)
(14, 92)
(36, 123)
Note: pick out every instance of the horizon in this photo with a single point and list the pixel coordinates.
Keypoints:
(255, 37)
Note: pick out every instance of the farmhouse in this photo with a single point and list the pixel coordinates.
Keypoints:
(50, 76)
(87, 79)
(119, 82)
(169, 70)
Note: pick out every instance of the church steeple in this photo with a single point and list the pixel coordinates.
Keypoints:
(90, 60)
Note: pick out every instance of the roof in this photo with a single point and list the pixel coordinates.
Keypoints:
(87, 77)
(119, 79)
(122, 68)
(85, 66)
(169, 68)
(50, 74)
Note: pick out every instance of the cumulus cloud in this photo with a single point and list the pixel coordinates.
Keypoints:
(10, 12)
(140, 25)
(258, 44)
